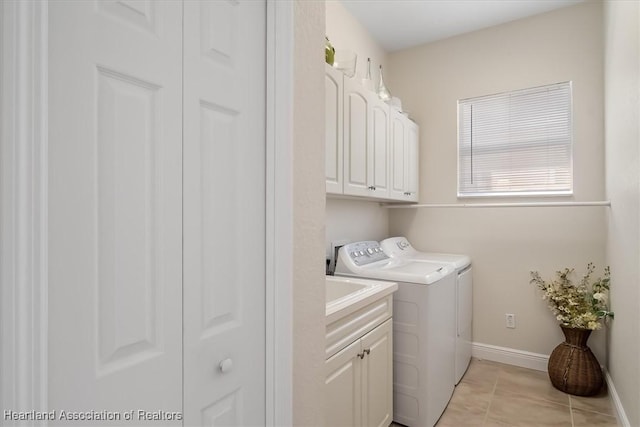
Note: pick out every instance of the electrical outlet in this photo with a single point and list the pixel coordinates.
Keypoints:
(510, 320)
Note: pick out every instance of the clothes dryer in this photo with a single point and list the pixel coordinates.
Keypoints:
(423, 328)
(400, 248)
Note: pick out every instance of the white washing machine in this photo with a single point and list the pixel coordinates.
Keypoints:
(423, 328)
(400, 248)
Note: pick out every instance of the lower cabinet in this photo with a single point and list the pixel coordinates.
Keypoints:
(359, 381)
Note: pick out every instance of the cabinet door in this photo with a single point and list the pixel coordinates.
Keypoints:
(343, 388)
(398, 155)
(333, 134)
(357, 139)
(379, 160)
(377, 376)
(412, 162)
(404, 158)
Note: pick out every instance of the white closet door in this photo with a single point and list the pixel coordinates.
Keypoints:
(115, 132)
(224, 213)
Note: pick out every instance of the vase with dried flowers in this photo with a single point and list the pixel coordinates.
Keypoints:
(580, 308)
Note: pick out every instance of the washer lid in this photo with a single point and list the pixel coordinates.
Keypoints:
(399, 247)
(354, 259)
(459, 262)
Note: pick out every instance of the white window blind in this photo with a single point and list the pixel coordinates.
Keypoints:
(516, 143)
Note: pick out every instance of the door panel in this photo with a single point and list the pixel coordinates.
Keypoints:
(128, 299)
(142, 14)
(378, 376)
(412, 163)
(333, 129)
(357, 134)
(399, 153)
(343, 387)
(224, 213)
(380, 162)
(358, 144)
(115, 308)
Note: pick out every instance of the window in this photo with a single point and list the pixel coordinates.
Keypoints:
(516, 143)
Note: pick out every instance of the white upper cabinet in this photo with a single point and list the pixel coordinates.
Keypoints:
(398, 155)
(371, 149)
(412, 165)
(358, 132)
(333, 133)
(404, 158)
(379, 160)
(366, 142)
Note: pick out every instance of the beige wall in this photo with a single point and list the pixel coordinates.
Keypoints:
(355, 220)
(308, 214)
(345, 32)
(622, 83)
(506, 244)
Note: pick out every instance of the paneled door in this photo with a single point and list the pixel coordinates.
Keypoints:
(357, 141)
(224, 213)
(115, 211)
(399, 156)
(157, 211)
(379, 170)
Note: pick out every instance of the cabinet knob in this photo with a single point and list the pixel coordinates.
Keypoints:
(372, 187)
(226, 366)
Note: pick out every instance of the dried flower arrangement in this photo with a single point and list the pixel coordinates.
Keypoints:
(580, 305)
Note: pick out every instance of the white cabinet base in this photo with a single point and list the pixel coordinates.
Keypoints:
(359, 368)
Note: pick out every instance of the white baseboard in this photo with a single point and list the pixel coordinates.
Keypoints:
(526, 359)
(510, 356)
(615, 399)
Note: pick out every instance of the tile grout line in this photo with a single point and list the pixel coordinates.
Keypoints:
(595, 408)
(571, 410)
(592, 410)
(493, 393)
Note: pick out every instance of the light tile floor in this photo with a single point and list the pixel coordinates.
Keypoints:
(494, 394)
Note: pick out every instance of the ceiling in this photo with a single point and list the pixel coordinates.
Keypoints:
(399, 24)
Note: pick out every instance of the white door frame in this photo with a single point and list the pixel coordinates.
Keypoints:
(23, 206)
(279, 182)
(24, 219)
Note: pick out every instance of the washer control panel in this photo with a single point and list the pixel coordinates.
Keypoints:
(403, 244)
(395, 246)
(363, 253)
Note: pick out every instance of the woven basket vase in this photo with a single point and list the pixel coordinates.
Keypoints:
(572, 366)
